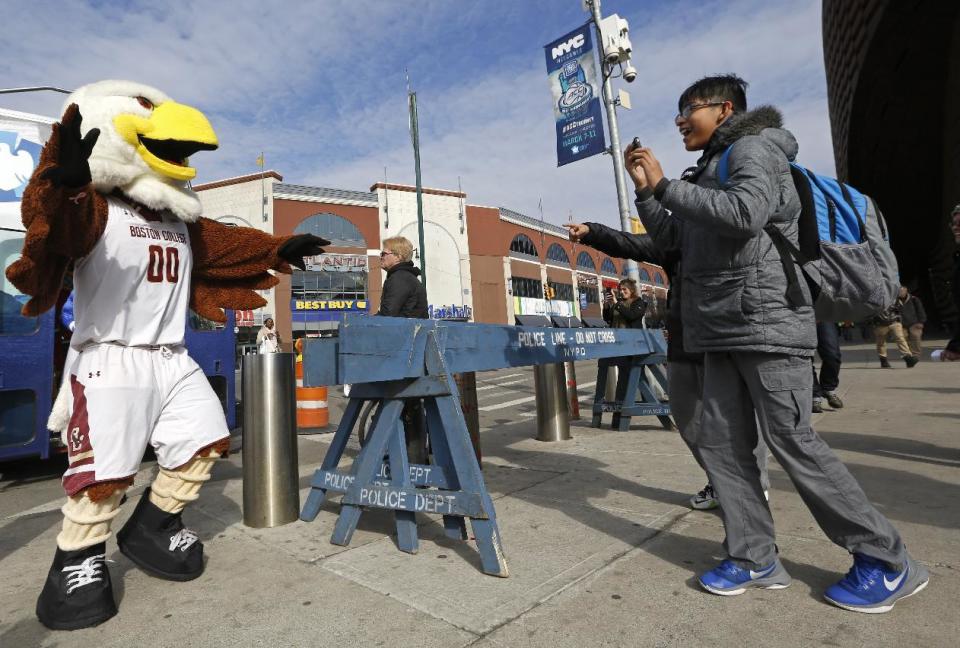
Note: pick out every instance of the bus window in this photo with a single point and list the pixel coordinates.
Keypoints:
(11, 299)
(18, 411)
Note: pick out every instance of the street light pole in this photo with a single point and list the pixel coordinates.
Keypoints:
(415, 136)
(618, 170)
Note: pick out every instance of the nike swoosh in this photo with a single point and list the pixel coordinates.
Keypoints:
(755, 575)
(895, 583)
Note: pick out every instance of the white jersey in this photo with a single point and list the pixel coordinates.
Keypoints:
(133, 288)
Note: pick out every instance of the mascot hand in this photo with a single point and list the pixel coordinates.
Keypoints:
(299, 246)
(72, 168)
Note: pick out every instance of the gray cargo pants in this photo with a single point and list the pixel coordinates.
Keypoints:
(778, 387)
(685, 384)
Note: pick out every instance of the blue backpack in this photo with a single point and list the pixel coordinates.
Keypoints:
(843, 248)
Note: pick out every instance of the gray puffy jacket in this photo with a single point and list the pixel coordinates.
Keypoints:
(734, 285)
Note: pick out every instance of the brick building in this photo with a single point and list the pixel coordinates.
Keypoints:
(485, 264)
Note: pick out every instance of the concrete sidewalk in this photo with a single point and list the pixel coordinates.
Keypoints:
(601, 546)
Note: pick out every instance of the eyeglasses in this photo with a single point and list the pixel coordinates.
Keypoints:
(384, 253)
(689, 109)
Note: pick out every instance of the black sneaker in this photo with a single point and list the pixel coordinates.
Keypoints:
(910, 361)
(77, 593)
(158, 543)
(884, 364)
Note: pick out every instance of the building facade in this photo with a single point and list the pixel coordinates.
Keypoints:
(483, 264)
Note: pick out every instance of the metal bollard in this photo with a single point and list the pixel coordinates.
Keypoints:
(550, 387)
(271, 490)
(610, 393)
(573, 399)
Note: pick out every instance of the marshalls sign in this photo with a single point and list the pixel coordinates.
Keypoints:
(572, 73)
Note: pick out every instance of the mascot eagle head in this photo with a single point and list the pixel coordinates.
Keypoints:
(145, 143)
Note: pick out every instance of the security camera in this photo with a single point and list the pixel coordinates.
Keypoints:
(629, 73)
(611, 54)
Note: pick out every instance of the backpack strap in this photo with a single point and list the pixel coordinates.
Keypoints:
(856, 212)
(723, 170)
(788, 254)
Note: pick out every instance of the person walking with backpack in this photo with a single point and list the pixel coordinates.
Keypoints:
(744, 309)
(885, 323)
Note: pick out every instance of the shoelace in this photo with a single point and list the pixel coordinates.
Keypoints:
(183, 540)
(86, 573)
(862, 576)
(707, 493)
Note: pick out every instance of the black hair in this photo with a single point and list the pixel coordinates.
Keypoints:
(720, 87)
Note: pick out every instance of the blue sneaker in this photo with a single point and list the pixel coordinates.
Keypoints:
(872, 587)
(728, 579)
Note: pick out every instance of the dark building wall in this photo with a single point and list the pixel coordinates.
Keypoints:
(892, 87)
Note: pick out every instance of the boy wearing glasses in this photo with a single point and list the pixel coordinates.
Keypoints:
(757, 346)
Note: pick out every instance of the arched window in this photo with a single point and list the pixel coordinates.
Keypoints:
(585, 261)
(658, 278)
(608, 267)
(522, 246)
(556, 253)
(336, 229)
(644, 275)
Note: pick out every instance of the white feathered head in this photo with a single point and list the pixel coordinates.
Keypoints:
(145, 141)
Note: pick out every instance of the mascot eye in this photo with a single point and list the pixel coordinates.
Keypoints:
(146, 103)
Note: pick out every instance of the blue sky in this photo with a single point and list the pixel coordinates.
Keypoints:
(319, 86)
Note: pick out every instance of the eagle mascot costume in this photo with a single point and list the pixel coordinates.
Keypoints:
(110, 198)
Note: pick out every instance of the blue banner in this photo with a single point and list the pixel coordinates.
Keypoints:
(572, 73)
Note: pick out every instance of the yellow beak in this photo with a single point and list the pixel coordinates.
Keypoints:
(166, 139)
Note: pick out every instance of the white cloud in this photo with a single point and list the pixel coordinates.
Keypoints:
(319, 86)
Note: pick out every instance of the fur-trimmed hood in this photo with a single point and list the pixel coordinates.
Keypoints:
(765, 121)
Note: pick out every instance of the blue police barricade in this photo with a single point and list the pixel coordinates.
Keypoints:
(391, 359)
(635, 394)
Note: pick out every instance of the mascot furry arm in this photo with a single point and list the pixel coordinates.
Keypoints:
(65, 212)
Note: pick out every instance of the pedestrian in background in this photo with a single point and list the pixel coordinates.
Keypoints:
(625, 308)
(825, 385)
(885, 323)
(684, 369)
(913, 317)
(405, 296)
(268, 341)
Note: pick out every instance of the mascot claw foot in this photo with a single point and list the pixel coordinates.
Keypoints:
(158, 543)
(78, 592)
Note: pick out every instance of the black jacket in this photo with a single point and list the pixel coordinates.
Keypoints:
(623, 315)
(913, 312)
(403, 294)
(640, 247)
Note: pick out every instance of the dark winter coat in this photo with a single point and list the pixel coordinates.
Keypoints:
(640, 247)
(734, 288)
(621, 314)
(403, 294)
(912, 312)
